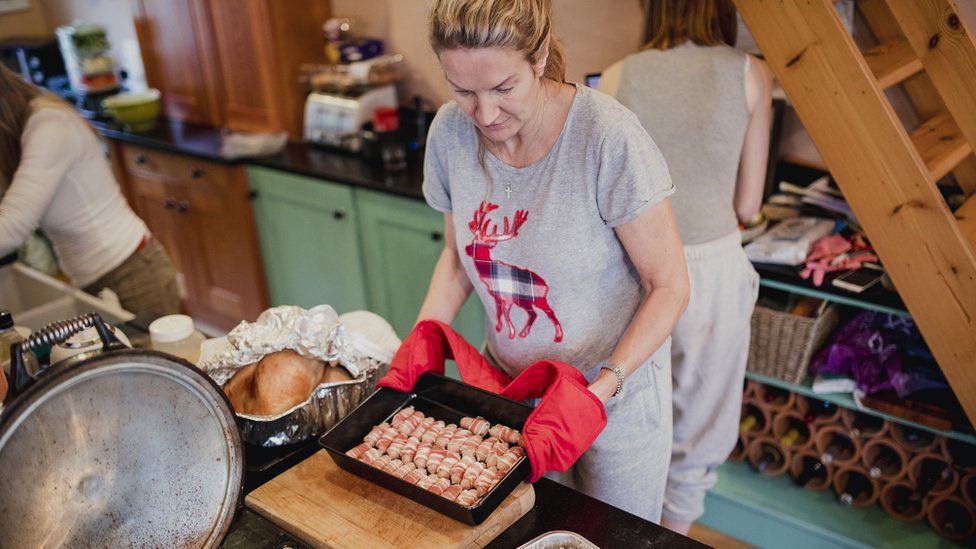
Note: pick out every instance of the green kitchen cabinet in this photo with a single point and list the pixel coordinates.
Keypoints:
(309, 240)
(402, 240)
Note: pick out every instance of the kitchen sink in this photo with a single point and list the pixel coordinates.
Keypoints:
(36, 299)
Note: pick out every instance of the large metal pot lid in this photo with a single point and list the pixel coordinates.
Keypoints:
(123, 449)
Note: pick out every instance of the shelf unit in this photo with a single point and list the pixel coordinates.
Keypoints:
(768, 511)
(846, 400)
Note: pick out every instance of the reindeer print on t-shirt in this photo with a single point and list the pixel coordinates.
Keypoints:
(507, 284)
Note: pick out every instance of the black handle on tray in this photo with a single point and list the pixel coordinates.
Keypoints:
(52, 334)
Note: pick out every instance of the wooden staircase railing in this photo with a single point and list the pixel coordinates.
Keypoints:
(889, 175)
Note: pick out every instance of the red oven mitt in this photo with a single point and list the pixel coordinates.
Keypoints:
(562, 426)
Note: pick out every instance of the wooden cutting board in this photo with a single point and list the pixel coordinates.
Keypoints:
(326, 506)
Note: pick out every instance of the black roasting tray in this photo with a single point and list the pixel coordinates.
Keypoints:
(447, 400)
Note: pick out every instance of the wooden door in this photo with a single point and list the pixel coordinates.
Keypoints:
(309, 241)
(154, 200)
(245, 64)
(219, 234)
(402, 241)
(174, 38)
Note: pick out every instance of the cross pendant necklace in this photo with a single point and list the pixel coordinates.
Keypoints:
(508, 189)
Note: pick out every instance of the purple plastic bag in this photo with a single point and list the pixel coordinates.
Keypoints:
(880, 352)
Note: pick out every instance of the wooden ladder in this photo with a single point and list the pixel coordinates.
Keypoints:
(888, 174)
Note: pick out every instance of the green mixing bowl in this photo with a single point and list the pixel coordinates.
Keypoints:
(135, 111)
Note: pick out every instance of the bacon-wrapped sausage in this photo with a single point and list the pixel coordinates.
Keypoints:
(467, 498)
(415, 475)
(370, 456)
(432, 431)
(410, 449)
(508, 459)
(392, 466)
(399, 441)
(385, 439)
(426, 481)
(374, 435)
(445, 436)
(440, 485)
(423, 452)
(486, 481)
(435, 458)
(356, 451)
(457, 472)
(484, 448)
(451, 492)
(403, 469)
(382, 461)
(400, 416)
(457, 439)
(471, 474)
(446, 466)
(410, 423)
(495, 453)
(506, 433)
(477, 425)
(470, 445)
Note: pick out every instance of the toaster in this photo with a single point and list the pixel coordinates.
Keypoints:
(336, 118)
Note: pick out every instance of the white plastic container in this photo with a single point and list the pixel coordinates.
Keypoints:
(176, 335)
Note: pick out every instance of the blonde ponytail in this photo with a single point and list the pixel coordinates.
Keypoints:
(521, 25)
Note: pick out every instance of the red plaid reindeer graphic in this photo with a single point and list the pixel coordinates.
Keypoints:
(508, 284)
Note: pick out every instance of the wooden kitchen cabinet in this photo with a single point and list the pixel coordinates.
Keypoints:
(232, 63)
(309, 240)
(402, 241)
(200, 211)
(175, 40)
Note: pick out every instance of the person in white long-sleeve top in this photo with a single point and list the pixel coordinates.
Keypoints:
(54, 176)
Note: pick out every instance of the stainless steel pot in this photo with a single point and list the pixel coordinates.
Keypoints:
(119, 448)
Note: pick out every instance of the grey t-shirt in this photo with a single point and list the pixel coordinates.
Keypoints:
(546, 261)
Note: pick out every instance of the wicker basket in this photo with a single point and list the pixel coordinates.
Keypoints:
(782, 343)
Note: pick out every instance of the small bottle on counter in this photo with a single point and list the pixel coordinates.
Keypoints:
(9, 334)
(176, 335)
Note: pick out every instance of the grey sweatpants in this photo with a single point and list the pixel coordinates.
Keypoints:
(709, 350)
(627, 464)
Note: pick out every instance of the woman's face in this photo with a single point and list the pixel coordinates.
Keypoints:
(495, 87)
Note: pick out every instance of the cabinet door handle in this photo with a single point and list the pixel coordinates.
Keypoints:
(436, 236)
(338, 215)
(169, 203)
(196, 173)
(141, 159)
(183, 206)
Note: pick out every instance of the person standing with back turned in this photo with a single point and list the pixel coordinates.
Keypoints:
(707, 106)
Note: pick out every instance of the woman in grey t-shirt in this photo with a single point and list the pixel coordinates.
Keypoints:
(556, 214)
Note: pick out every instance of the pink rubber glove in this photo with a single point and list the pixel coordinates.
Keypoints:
(823, 257)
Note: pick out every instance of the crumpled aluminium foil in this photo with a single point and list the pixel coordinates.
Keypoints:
(313, 333)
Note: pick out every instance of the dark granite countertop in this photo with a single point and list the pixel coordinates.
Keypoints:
(556, 508)
(560, 508)
(299, 158)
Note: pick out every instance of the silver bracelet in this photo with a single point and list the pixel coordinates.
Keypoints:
(618, 374)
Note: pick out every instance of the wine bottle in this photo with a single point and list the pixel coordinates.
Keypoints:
(915, 438)
(812, 468)
(839, 447)
(817, 409)
(790, 438)
(747, 423)
(933, 472)
(885, 462)
(907, 502)
(770, 457)
(855, 486)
